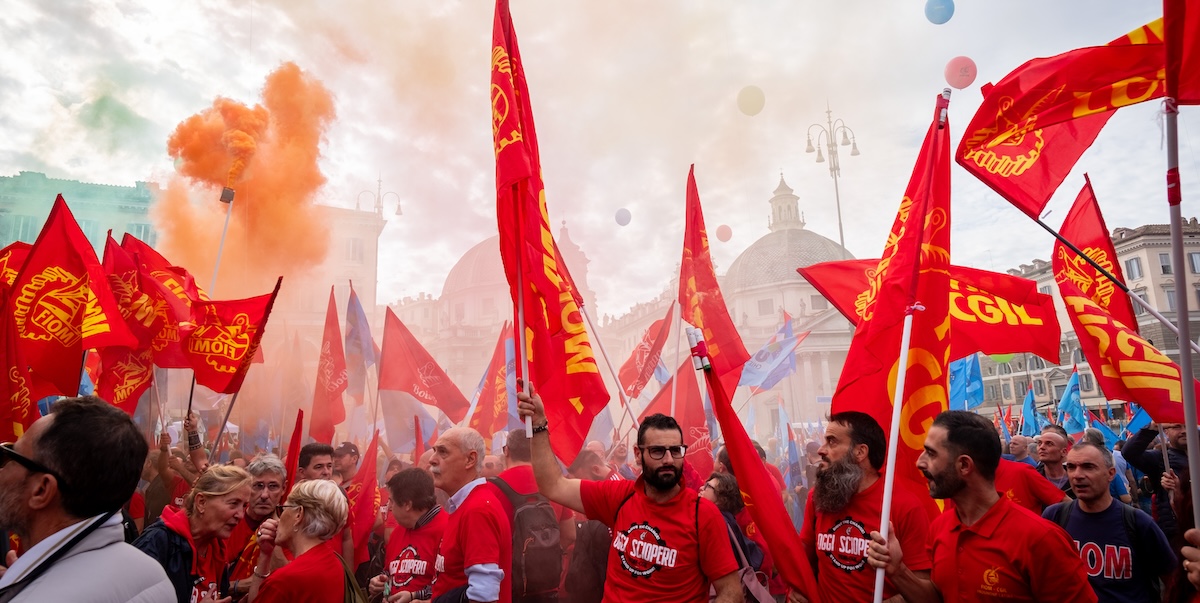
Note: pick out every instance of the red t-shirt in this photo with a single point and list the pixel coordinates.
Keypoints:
(1022, 484)
(657, 549)
(314, 577)
(137, 505)
(206, 570)
(775, 473)
(411, 554)
(837, 542)
(1010, 554)
(521, 479)
(179, 490)
(477, 532)
(242, 549)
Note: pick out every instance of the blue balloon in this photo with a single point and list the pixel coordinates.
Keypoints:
(939, 11)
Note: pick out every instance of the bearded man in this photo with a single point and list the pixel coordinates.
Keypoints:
(844, 507)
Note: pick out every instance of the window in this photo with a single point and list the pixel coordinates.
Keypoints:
(1133, 268)
(460, 312)
(91, 230)
(766, 307)
(1164, 262)
(1085, 382)
(1170, 295)
(1059, 390)
(1194, 261)
(1138, 309)
(1036, 363)
(991, 370)
(1021, 385)
(1046, 289)
(354, 250)
(990, 392)
(1039, 387)
(25, 228)
(1005, 369)
(145, 232)
(1077, 356)
(1007, 391)
(818, 302)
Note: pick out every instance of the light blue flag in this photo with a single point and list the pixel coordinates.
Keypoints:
(661, 373)
(1075, 418)
(770, 363)
(966, 383)
(1139, 420)
(1031, 421)
(360, 348)
(1110, 438)
(1004, 430)
(510, 381)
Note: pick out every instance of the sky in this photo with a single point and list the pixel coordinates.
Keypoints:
(626, 95)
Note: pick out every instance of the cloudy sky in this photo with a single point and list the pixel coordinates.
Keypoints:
(626, 95)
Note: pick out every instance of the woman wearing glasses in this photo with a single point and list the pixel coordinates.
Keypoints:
(314, 512)
(190, 542)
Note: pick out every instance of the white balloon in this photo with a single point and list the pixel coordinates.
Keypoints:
(623, 216)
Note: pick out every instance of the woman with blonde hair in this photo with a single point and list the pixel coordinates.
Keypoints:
(190, 542)
(314, 512)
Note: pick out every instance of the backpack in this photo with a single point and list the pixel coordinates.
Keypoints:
(1129, 517)
(537, 560)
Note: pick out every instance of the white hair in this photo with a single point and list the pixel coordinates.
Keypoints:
(325, 508)
(469, 441)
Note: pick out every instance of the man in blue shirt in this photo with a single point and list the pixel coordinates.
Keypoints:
(1123, 550)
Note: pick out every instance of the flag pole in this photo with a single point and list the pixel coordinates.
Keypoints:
(678, 340)
(224, 422)
(600, 344)
(226, 197)
(520, 334)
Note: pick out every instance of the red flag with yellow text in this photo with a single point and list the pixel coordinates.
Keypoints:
(173, 290)
(990, 312)
(1084, 227)
(17, 406)
(562, 365)
(914, 270)
(61, 306)
(225, 337)
(490, 415)
(328, 409)
(125, 373)
(1182, 34)
(12, 258)
(1035, 123)
(364, 501)
(700, 300)
(639, 368)
(689, 413)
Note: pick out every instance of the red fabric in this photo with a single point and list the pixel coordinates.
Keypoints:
(12, 259)
(242, 549)
(61, 305)
(562, 364)
(363, 497)
(837, 542)
(1126, 366)
(776, 475)
(292, 461)
(327, 407)
(656, 547)
(700, 297)
(1183, 51)
(410, 554)
(521, 480)
(491, 410)
(639, 368)
(179, 491)
(222, 343)
(1009, 554)
(206, 571)
(314, 577)
(17, 410)
(137, 505)
(689, 413)
(914, 269)
(412, 370)
(990, 312)
(745, 522)
(762, 497)
(1035, 123)
(1023, 485)
(173, 290)
(477, 532)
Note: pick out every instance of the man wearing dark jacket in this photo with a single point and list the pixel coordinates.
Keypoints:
(1138, 453)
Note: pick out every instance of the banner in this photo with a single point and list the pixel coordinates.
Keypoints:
(966, 383)
(12, 259)
(489, 414)
(360, 348)
(364, 500)
(412, 369)
(775, 360)
(328, 410)
(639, 368)
(1084, 227)
(397, 401)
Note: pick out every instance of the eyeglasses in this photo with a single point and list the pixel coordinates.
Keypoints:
(7, 453)
(1084, 466)
(708, 486)
(270, 487)
(658, 452)
(281, 508)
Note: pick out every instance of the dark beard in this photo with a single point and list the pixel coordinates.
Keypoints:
(662, 483)
(836, 485)
(945, 484)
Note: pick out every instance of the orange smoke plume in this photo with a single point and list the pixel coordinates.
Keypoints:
(269, 154)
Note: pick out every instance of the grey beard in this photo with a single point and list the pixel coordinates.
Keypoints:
(836, 486)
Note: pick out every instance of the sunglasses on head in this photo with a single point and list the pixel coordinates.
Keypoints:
(8, 453)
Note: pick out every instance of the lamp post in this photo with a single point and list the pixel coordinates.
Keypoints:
(379, 196)
(830, 130)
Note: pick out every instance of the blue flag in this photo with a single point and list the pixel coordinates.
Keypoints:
(1139, 420)
(1075, 418)
(661, 373)
(775, 360)
(1110, 438)
(1004, 430)
(360, 348)
(966, 383)
(1032, 421)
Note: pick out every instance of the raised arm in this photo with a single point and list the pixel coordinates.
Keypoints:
(550, 480)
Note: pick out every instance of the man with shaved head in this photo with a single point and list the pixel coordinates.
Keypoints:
(1052, 452)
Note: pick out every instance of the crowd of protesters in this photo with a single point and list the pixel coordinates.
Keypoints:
(99, 516)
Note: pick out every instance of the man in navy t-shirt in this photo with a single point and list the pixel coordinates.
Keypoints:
(1123, 564)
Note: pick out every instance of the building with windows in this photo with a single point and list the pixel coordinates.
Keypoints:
(26, 199)
(1143, 254)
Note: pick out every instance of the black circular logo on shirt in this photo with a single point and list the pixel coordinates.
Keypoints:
(849, 545)
(403, 563)
(642, 550)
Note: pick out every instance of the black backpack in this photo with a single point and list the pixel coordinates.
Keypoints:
(1129, 518)
(537, 560)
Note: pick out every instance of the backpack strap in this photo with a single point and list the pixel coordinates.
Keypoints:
(515, 498)
(1064, 513)
(622, 504)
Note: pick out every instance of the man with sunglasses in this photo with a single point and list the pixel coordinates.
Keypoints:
(62, 485)
(266, 491)
(668, 543)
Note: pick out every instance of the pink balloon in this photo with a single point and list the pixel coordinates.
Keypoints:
(724, 233)
(960, 72)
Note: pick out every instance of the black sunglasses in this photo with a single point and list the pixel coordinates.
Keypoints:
(281, 508)
(7, 453)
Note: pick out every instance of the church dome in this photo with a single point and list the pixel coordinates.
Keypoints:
(479, 268)
(775, 257)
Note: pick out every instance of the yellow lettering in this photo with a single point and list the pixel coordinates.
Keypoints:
(957, 311)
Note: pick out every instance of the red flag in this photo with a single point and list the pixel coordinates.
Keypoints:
(364, 501)
(1084, 227)
(639, 368)
(1182, 31)
(491, 409)
(61, 306)
(689, 413)
(327, 407)
(126, 373)
(700, 300)
(562, 365)
(990, 312)
(17, 410)
(173, 290)
(1035, 123)
(914, 269)
(415, 371)
(292, 460)
(762, 499)
(221, 344)
(12, 258)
